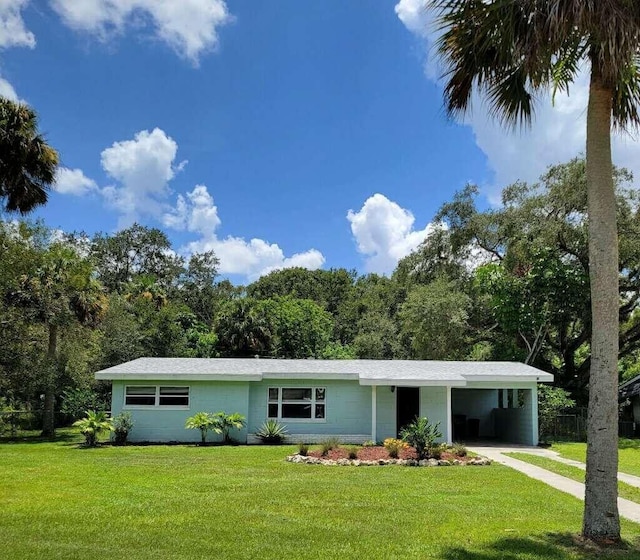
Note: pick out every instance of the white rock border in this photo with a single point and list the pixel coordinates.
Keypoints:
(475, 462)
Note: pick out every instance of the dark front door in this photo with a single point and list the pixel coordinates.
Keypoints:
(407, 406)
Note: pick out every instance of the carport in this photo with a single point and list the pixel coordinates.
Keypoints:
(497, 413)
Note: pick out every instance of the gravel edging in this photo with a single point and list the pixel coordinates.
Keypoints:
(475, 462)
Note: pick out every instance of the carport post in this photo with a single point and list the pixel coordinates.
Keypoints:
(373, 412)
(449, 417)
(534, 415)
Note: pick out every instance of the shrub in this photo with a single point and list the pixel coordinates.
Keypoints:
(92, 425)
(436, 451)
(76, 401)
(272, 432)
(369, 443)
(394, 446)
(459, 450)
(352, 452)
(9, 415)
(329, 444)
(551, 402)
(421, 435)
(122, 425)
(202, 421)
(303, 449)
(223, 423)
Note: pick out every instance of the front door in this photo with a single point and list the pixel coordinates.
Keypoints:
(407, 406)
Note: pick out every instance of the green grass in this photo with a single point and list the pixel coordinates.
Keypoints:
(59, 501)
(624, 490)
(628, 454)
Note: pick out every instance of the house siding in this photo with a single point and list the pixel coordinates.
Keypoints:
(157, 424)
(477, 403)
(348, 409)
(386, 413)
(433, 405)
(515, 425)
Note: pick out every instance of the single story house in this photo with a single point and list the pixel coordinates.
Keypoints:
(629, 399)
(353, 400)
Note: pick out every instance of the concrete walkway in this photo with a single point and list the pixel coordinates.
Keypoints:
(554, 455)
(628, 509)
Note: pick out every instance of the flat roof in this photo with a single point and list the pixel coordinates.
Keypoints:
(367, 372)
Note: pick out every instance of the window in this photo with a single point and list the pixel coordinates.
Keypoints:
(156, 396)
(297, 403)
(140, 396)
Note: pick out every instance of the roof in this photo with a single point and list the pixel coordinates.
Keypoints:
(367, 372)
(629, 388)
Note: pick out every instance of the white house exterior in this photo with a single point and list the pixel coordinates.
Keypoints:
(353, 400)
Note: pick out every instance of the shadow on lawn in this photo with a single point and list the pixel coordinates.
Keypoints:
(61, 437)
(552, 546)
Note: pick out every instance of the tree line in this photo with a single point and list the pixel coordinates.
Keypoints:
(507, 283)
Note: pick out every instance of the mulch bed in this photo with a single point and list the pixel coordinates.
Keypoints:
(377, 453)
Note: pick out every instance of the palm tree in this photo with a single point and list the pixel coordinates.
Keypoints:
(59, 291)
(27, 163)
(510, 51)
(243, 328)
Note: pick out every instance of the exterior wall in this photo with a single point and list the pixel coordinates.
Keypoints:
(476, 403)
(386, 413)
(157, 424)
(348, 410)
(513, 425)
(433, 405)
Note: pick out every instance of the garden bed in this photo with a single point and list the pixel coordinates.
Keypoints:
(379, 456)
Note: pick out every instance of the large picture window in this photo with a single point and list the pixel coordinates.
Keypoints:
(162, 396)
(297, 403)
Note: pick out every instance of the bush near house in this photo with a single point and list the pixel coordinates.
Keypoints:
(218, 422)
(422, 435)
(122, 425)
(551, 402)
(93, 425)
(272, 432)
(202, 421)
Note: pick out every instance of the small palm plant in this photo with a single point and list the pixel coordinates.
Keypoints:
(92, 425)
(202, 421)
(223, 423)
(272, 432)
(421, 435)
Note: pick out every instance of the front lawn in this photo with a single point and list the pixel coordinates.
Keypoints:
(59, 501)
(628, 449)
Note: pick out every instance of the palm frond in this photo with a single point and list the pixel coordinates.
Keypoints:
(626, 97)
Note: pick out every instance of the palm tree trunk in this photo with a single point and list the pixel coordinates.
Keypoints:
(48, 416)
(601, 521)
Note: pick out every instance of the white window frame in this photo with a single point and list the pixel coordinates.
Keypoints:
(313, 402)
(157, 405)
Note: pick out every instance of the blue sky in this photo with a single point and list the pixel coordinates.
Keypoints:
(276, 133)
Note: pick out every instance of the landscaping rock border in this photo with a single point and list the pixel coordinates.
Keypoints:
(476, 461)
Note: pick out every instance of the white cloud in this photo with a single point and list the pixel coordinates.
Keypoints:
(189, 27)
(384, 232)
(558, 132)
(7, 91)
(198, 213)
(73, 181)
(143, 167)
(13, 32)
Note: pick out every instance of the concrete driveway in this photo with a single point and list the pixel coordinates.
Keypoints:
(496, 452)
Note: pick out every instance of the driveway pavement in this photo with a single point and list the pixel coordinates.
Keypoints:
(628, 509)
